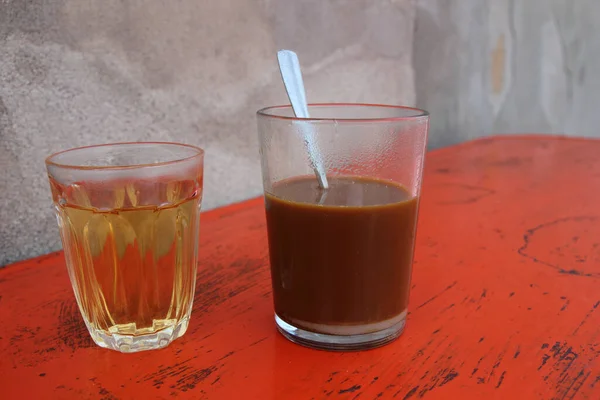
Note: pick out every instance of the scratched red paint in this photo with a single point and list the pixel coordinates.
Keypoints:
(504, 301)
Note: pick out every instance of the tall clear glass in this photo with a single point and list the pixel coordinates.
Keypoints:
(341, 257)
(128, 215)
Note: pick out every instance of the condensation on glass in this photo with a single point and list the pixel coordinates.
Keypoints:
(341, 258)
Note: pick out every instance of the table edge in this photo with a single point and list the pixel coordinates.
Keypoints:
(224, 210)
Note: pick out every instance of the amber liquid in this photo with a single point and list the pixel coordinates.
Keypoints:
(342, 258)
(132, 264)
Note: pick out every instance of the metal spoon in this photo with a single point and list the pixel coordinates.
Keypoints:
(294, 85)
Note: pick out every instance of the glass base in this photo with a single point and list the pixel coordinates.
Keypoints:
(387, 332)
(132, 344)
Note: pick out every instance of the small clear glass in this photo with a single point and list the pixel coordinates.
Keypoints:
(128, 215)
(341, 258)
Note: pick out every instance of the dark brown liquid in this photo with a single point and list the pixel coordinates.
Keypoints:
(344, 259)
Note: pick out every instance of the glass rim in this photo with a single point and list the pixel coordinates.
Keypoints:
(50, 162)
(419, 113)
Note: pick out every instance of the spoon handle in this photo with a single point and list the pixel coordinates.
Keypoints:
(294, 86)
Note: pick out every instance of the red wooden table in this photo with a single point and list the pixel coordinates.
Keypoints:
(503, 304)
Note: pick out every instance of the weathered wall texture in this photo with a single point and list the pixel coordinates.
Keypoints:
(80, 72)
(508, 66)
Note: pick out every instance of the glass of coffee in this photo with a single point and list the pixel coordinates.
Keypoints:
(341, 257)
(128, 215)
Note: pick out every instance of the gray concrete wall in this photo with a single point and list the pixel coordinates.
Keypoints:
(508, 66)
(80, 72)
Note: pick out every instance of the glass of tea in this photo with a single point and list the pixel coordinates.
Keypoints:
(341, 257)
(128, 215)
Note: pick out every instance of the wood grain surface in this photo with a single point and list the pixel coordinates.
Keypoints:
(504, 300)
